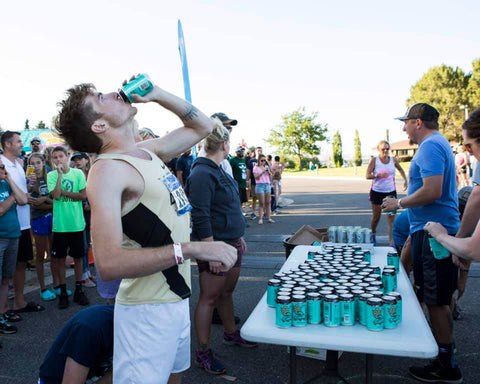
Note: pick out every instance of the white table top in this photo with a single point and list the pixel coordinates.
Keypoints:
(411, 338)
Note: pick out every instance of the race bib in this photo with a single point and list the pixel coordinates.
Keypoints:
(181, 201)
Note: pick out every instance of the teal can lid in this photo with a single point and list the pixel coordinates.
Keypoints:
(274, 282)
(366, 296)
(390, 300)
(314, 296)
(375, 301)
(298, 298)
(331, 298)
(347, 297)
(284, 299)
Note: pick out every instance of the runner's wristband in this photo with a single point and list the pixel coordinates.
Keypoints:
(177, 249)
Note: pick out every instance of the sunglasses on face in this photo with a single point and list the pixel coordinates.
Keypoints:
(385, 149)
(2, 166)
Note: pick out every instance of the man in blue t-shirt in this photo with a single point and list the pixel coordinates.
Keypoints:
(432, 196)
(82, 349)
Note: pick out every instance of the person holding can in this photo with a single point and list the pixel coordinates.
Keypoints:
(140, 226)
(216, 215)
(262, 174)
(381, 170)
(432, 196)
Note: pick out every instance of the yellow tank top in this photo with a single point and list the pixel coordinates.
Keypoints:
(154, 222)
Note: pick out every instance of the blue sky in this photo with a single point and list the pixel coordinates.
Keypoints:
(353, 62)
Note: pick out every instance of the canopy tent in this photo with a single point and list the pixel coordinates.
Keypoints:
(46, 136)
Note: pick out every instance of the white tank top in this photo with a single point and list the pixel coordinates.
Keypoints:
(386, 184)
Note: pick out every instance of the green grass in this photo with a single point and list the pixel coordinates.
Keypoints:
(340, 172)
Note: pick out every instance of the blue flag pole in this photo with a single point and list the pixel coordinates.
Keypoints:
(186, 78)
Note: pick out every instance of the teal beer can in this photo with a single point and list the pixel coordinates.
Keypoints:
(299, 311)
(356, 294)
(363, 304)
(393, 258)
(374, 314)
(439, 251)
(314, 310)
(283, 312)
(272, 288)
(140, 86)
(398, 297)
(389, 312)
(347, 309)
(388, 280)
(331, 311)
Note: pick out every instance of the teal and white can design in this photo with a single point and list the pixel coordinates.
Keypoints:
(331, 311)
(299, 311)
(356, 294)
(363, 304)
(272, 289)
(393, 258)
(367, 256)
(389, 312)
(347, 309)
(388, 280)
(314, 308)
(140, 86)
(283, 312)
(398, 297)
(374, 314)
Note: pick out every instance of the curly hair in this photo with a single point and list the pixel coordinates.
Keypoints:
(214, 141)
(75, 118)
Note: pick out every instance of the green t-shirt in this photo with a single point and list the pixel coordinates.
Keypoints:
(239, 169)
(68, 213)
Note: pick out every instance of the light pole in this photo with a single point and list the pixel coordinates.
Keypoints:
(465, 107)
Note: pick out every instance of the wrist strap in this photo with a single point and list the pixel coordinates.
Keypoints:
(177, 249)
(399, 204)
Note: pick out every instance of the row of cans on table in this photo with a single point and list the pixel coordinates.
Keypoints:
(337, 286)
(349, 234)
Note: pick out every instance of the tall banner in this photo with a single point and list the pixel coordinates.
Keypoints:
(186, 78)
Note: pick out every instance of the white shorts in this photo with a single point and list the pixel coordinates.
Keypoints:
(151, 341)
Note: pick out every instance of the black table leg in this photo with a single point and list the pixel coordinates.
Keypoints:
(331, 365)
(293, 365)
(369, 369)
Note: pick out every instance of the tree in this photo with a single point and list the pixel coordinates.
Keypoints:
(446, 89)
(337, 150)
(41, 125)
(298, 134)
(473, 89)
(27, 125)
(387, 135)
(358, 149)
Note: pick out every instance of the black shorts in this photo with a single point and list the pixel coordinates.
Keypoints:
(68, 243)
(377, 197)
(25, 247)
(435, 280)
(243, 195)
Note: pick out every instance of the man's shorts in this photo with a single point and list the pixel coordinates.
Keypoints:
(262, 188)
(238, 245)
(243, 195)
(376, 198)
(151, 341)
(25, 247)
(8, 257)
(435, 280)
(68, 243)
(42, 226)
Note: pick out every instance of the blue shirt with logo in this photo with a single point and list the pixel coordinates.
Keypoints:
(434, 157)
(9, 226)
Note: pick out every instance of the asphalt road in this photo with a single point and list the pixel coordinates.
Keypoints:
(317, 202)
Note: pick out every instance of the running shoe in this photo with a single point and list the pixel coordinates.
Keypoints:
(209, 362)
(435, 372)
(271, 221)
(47, 295)
(236, 339)
(58, 291)
(80, 297)
(253, 216)
(5, 326)
(88, 283)
(260, 221)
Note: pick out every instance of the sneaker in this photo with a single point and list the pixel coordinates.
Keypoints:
(253, 216)
(209, 362)
(62, 301)
(260, 221)
(88, 283)
(271, 221)
(80, 297)
(217, 320)
(47, 295)
(5, 326)
(435, 372)
(236, 339)
(457, 311)
(57, 291)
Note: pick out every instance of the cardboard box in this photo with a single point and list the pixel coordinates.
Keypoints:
(313, 353)
(307, 235)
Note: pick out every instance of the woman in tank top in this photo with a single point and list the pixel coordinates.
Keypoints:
(381, 170)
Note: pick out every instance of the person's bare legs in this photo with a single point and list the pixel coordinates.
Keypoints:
(78, 268)
(442, 323)
(225, 300)
(390, 220)
(4, 295)
(254, 198)
(261, 206)
(19, 284)
(41, 246)
(376, 214)
(175, 378)
(268, 205)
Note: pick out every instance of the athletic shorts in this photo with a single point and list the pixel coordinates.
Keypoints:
(151, 341)
(238, 245)
(243, 195)
(25, 247)
(262, 188)
(435, 280)
(8, 257)
(68, 243)
(42, 226)
(376, 198)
